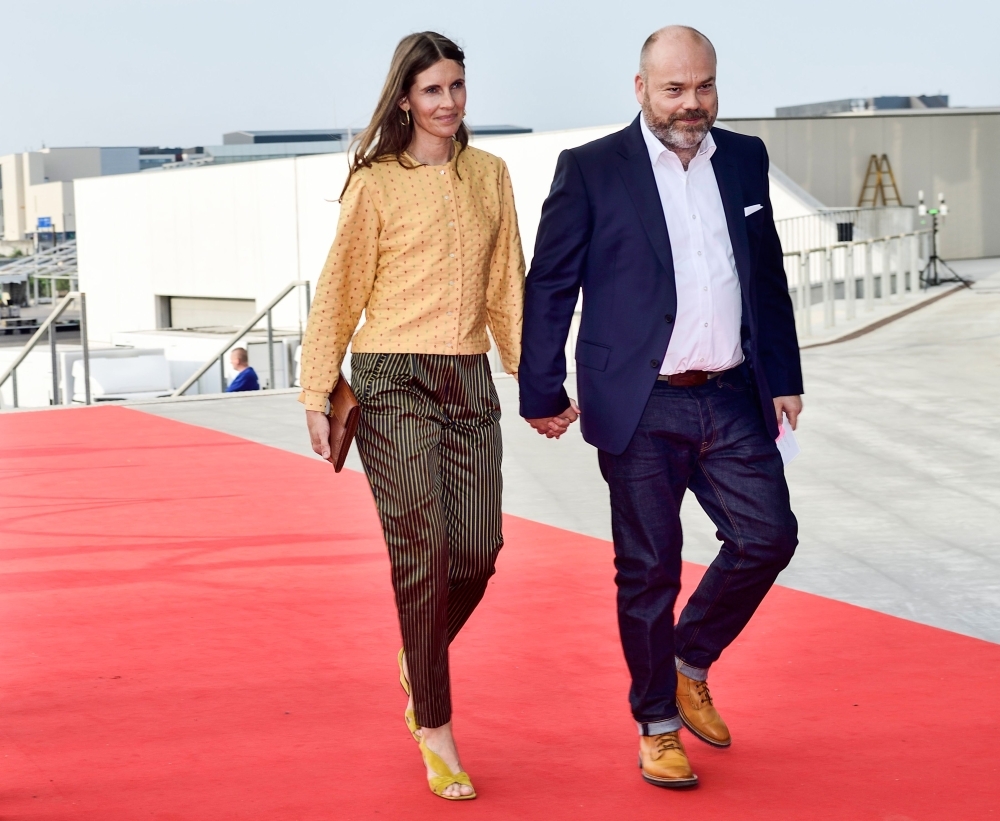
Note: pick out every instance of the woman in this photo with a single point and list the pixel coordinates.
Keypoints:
(427, 245)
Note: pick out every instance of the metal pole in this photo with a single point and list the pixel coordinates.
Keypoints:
(308, 298)
(270, 352)
(886, 272)
(829, 293)
(869, 278)
(903, 268)
(86, 348)
(13, 377)
(850, 288)
(222, 373)
(805, 288)
(55, 364)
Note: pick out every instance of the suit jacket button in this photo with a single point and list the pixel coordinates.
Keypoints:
(654, 363)
(669, 317)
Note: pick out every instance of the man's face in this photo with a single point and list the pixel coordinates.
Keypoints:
(235, 361)
(678, 94)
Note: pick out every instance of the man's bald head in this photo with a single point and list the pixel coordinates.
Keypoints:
(668, 36)
(676, 88)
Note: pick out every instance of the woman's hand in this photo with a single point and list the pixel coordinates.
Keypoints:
(319, 432)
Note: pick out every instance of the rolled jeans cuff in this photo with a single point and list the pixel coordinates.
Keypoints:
(695, 673)
(668, 725)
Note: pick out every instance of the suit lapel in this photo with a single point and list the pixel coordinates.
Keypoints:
(727, 175)
(637, 172)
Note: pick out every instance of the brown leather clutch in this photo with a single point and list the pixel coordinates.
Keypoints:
(344, 415)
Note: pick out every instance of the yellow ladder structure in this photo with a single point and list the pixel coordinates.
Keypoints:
(879, 183)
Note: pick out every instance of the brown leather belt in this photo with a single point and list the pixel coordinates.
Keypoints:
(688, 379)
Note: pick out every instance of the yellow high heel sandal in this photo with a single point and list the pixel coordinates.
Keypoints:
(409, 716)
(445, 777)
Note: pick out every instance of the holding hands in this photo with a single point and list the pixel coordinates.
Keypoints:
(552, 427)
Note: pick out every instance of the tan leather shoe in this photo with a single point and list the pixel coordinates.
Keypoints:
(699, 715)
(663, 761)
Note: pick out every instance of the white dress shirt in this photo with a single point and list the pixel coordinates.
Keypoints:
(706, 335)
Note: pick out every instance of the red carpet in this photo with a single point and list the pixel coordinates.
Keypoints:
(198, 627)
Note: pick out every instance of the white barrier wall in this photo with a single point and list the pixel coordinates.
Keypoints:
(244, 231)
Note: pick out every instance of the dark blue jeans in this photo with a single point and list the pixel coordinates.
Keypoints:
(712, 440)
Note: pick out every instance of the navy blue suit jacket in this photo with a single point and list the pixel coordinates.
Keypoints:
(603, 230)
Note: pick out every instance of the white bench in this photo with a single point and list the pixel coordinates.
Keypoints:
(133, 377)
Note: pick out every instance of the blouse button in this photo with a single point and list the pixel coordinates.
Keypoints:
(451, 255)
(447, 197)
(451, 224)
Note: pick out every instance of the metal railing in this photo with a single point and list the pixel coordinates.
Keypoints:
(885, 268)
(49, 326)
(52, 264)
(263, 313)
(836, 225)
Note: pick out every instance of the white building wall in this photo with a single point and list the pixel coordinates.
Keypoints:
(40, 184)
(13, 197)
(69, 163)
(54, 200)
(117, 161)
(33, 169)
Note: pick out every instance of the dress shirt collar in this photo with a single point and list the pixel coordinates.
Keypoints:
(657, 149)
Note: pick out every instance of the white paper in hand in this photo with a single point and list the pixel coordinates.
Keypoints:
(787, 446)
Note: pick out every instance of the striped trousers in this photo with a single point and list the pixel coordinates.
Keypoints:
(429, 440)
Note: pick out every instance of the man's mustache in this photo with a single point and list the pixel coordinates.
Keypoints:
(701, 114)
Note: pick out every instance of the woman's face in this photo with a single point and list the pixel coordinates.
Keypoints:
(436, 101)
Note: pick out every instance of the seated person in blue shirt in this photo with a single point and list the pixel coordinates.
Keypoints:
(246, 377)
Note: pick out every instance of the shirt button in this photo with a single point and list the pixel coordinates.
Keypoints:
(451, 282)
(442, 172)
(451, 225)
(451, 255)
(669, 317)
(653, 363)
(705, 288)
(448, 198)
(699, 253)
(449, 313)
(448, 345)
(706, 324)
(694, 216)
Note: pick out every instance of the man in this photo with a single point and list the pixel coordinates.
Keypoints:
(246, 377)
(686, 360)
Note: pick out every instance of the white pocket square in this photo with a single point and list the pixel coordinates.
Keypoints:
(751, 209)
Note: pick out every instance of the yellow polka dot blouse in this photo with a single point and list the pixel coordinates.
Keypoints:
(432, 255)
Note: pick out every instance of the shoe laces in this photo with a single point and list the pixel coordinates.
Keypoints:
(667, 742)
(701, 690)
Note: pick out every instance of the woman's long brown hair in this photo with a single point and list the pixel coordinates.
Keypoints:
(389, 134)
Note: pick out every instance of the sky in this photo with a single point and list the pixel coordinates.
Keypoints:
(180, 74)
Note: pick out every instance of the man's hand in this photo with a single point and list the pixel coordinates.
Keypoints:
(552, 427)
(791, 406)
(319, 432)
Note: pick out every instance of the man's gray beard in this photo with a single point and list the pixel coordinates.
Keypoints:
(674, 135)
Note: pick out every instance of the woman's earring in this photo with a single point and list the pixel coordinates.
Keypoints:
(405, 122)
